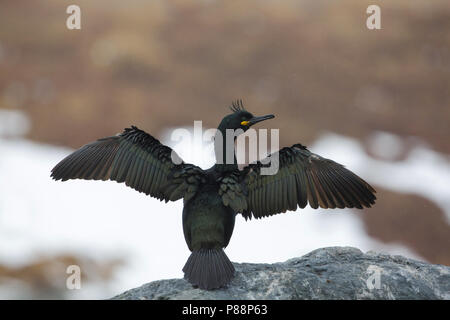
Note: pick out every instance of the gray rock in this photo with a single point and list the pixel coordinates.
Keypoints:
(327, 273)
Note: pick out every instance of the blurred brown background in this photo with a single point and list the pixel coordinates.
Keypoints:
(313, 63)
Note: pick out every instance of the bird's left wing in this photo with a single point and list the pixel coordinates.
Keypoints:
(303, 177)
(136, 158)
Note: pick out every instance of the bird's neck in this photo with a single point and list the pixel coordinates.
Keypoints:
(224, 150)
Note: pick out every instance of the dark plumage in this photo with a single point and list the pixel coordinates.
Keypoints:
(213, 197)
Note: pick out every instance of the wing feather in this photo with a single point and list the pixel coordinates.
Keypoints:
(303, 177)
(135, 158)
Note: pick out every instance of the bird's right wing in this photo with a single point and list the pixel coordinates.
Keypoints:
(303, 177)
(136, 158)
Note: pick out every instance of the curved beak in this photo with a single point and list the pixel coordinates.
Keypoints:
(254, 120)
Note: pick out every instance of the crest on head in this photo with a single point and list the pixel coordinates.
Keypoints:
(237, 106)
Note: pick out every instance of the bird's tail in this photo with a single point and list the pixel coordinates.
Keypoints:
(208, 269)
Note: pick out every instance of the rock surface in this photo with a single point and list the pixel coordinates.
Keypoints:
(327, 273)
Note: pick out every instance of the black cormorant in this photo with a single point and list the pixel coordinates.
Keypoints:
(213, 197)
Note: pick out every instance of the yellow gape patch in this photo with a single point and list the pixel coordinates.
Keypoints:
(245, 123)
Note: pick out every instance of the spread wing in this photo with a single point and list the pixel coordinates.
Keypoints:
(136, 158)
(303, 177)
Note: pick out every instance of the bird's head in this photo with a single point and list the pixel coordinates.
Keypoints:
(241, 118)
